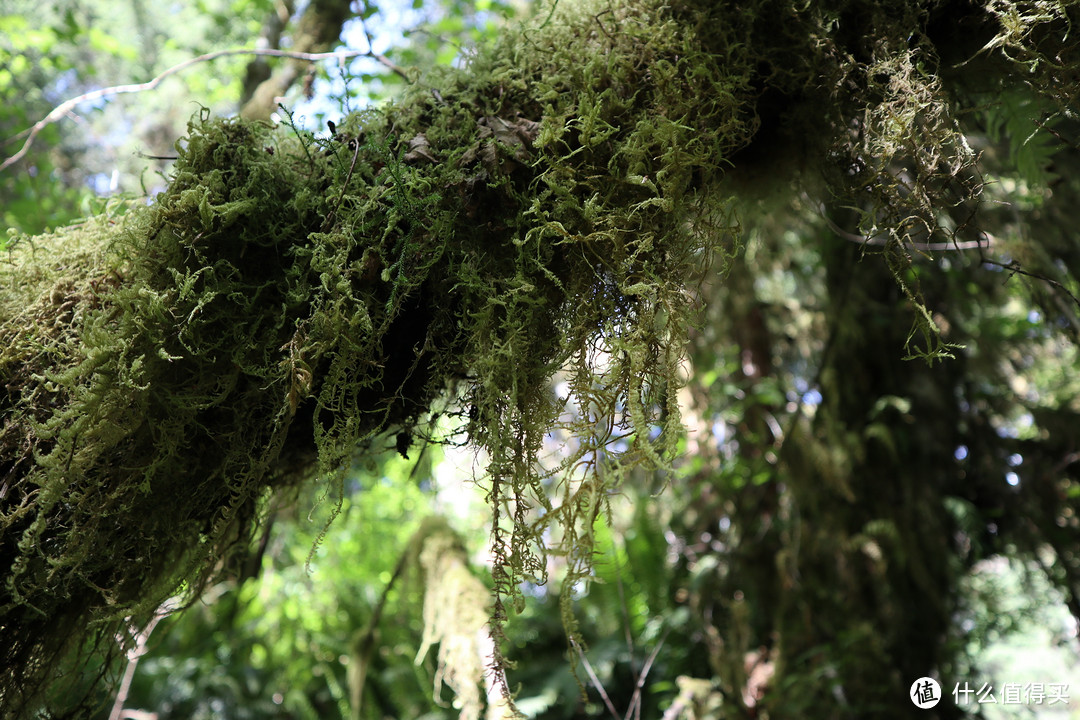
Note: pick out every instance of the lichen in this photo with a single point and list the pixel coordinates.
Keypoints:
(456, 614)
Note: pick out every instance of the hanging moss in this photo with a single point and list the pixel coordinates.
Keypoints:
(287, 300)
(456, 617)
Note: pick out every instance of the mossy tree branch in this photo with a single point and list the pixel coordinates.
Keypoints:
(286, 299)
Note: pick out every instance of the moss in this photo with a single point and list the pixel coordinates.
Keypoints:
(455, 617)
(287, 300)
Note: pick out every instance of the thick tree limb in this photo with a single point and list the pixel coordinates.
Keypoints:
(258, 69)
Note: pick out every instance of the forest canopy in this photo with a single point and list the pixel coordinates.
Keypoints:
(840, 228)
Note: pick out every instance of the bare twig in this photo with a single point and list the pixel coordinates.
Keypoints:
(364, 642)
(634, 711)
(133, 656)
(595, 680)
(66, 107)
(1014, 268)
(385, 61)
(982, 243)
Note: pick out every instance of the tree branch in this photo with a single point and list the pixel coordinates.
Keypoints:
(981, 244)
(66, 107)
(318, 28)
(258, 70)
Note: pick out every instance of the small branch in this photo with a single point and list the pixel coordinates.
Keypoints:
(981, 244)
(364, 643)
(595, 680)
(1015, 269)
(634, 711)
(66, 107)
(385, 61)
(118, 712)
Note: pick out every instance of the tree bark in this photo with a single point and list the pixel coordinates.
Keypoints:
(258, 70)
(318, 29)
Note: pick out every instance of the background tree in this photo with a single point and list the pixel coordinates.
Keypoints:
(293, 301)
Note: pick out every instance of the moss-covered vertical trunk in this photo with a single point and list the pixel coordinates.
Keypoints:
(869, 568)
(840, 540)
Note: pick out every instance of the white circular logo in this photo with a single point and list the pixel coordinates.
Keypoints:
(925, 693)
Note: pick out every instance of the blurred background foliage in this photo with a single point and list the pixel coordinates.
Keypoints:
(794, 549)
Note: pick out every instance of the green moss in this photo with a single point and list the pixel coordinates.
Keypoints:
(287, 300)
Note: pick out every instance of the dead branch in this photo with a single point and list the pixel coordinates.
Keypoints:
(66, 107)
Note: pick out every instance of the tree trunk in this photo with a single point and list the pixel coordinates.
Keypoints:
(317, 31)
